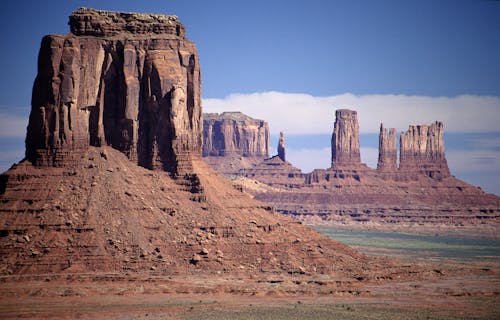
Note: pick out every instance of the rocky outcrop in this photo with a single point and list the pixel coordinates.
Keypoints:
(419, 192)
(91, 22)
(387, 153)
(345, 139)
(275, 171)
(422, 152)
(130, 81)
(281, 147)
(233, 133)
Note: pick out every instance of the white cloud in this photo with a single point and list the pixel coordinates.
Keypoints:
(306, 114)
(12, 126)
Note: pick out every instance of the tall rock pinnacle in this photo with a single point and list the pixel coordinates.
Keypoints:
(281, 146)
(345, 138)
(387, 154)
(131, 81)
(422, 151)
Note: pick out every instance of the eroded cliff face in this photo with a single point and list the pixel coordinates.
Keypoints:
(235, 134)
(345, 139)
(422, 151)
(387, 153)
(130, 81)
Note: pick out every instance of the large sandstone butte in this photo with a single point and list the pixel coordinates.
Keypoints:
(420, 192)
(233, 141)
(124, 80)
(113, 187)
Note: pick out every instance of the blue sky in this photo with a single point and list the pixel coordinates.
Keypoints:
(398, 62)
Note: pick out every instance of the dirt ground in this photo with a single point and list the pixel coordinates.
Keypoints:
(465, 291)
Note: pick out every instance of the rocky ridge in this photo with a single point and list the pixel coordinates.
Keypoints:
(420, 191)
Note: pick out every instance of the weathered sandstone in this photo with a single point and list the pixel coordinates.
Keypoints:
(387, 153)
(281, 147)
(128, 81)
(79, 208)
(234, 141)
(419, 192)
(233, 133)
(345, 139)
(422, 151)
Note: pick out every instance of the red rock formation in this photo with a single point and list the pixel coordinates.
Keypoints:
(233, 133)
(387, 154)
(281, 147)
(233, 141)
(345, 139)
(275, 171)
(119, 79)
(78, 207)
(422, 152)
(421, 192)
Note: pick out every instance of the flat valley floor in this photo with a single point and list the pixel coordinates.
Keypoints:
(470, 290)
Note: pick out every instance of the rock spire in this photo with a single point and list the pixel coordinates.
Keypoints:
(345, 138)
(281, 146)
(387, 154)
(130, 81)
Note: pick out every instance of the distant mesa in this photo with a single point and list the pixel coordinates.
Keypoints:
(233, 141)
(418, 191)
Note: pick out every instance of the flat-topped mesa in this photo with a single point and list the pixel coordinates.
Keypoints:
(98, 23)
(345, 139)
(235, 134)
(387, 153)
(281, 147)
(422, 151)
(140, 95)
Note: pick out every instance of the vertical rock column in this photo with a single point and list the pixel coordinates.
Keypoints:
(387, 154)
(281, 146)
(422, 152)
(345, 139)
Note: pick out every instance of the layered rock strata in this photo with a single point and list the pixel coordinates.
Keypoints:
(128, 81)
(422, 151)
(275, 171)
